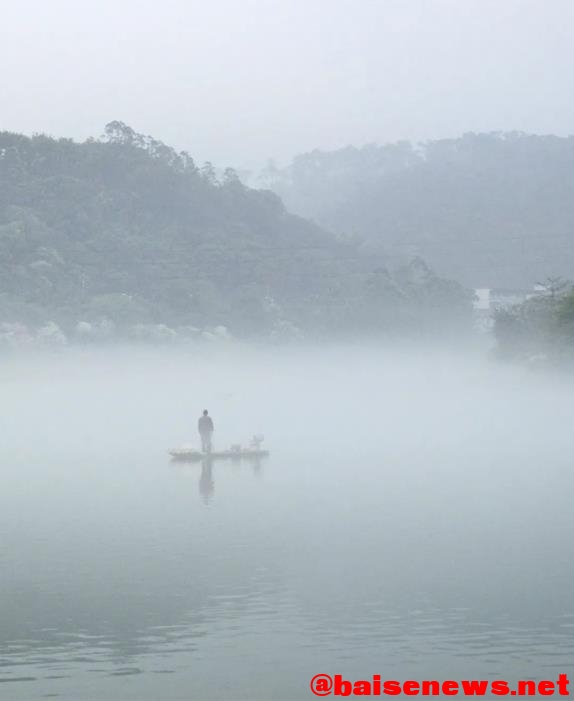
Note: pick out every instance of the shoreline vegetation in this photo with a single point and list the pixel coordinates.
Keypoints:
(539, 332)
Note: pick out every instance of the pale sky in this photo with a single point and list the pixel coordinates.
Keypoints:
(240, 81)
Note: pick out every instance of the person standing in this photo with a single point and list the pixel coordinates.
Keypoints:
(205, 428)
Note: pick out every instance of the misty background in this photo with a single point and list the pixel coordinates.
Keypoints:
(238, 83)
(347, 227)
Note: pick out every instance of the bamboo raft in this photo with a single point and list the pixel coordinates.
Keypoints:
(192, 455)
(235, 452)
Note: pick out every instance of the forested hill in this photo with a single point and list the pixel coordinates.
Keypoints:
(123, 235)
(490, 210)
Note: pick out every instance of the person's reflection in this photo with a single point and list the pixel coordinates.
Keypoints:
(256, 465)
(206, 485)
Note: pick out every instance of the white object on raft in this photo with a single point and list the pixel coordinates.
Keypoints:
(235, 451)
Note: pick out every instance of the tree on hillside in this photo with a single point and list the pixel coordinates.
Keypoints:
(124, 231)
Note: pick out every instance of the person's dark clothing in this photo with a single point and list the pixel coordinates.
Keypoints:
(205, 424)
(205, 428)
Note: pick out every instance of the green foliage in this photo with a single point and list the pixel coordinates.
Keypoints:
(542, 324)
(490, 210)
(128, 231)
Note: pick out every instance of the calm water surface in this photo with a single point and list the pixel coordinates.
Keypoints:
(414, 520)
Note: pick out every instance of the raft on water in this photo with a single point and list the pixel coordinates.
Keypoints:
(236, 452)
(192, 454)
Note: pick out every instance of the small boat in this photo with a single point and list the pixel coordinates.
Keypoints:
(235, 452)
(192, 454)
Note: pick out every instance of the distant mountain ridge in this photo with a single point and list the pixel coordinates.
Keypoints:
(489, 210)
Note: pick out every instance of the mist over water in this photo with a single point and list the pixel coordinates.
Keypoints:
(412, 520)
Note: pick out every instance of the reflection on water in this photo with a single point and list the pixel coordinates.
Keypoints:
(206, 484)
(206, 479)
(423, 538)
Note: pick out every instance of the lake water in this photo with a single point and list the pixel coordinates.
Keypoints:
(413, 520)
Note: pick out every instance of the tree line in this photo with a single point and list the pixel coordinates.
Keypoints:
(123, 232)
(489, 210)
